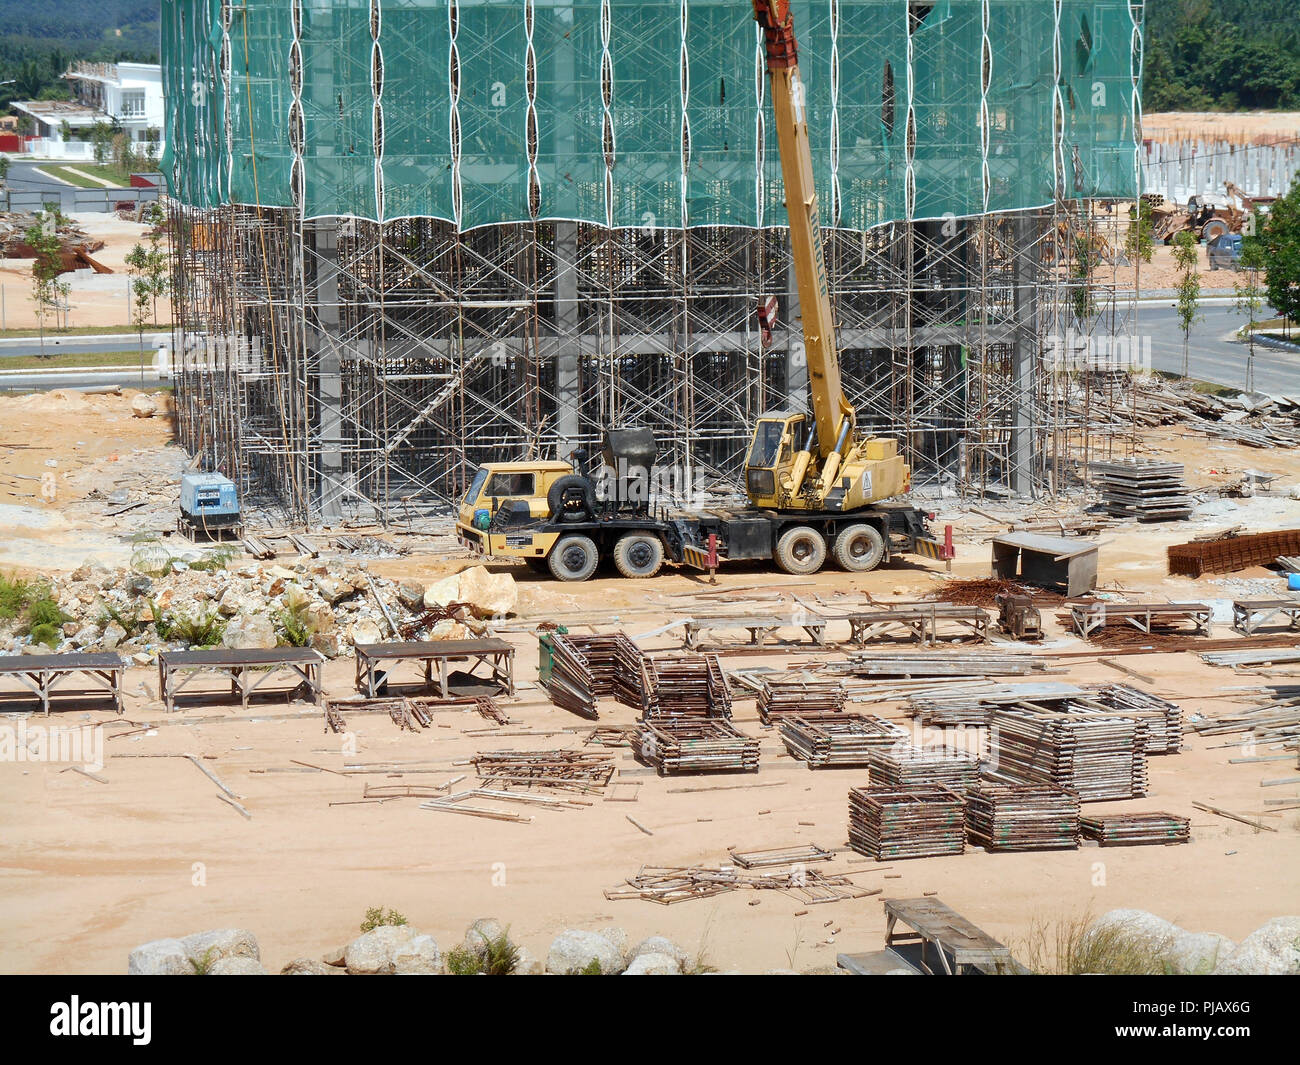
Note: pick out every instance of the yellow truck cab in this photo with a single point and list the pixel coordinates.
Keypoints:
(502, 501)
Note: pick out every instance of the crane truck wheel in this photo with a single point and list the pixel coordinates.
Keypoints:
(801, 550)
(638, 555)
(859, 548)
(573, 558)
(572, 498)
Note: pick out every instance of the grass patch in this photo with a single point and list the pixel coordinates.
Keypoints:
(378, 917)
(131, 623)
(80, 331)
(42, 618)
(73, 360)
(216, 559)
(119, 178)
(1068, 948)
(203, 966)
(1205, 388)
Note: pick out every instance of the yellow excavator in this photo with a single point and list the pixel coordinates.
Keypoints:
(816, 485)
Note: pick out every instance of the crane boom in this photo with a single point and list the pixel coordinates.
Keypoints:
(833, 414)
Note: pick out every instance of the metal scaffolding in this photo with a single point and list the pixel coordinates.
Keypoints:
(348, 368)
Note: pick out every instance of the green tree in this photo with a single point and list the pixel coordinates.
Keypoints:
(1188, 290)
(1139, 242)
(1278, 243)
(1251, 299)
(101, 138)
(4, 169)
(48, 291)
(149, 268)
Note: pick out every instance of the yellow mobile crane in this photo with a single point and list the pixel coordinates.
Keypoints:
(815, 485)
(795, 465)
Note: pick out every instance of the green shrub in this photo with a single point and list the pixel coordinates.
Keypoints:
(15, 594)
(378, 917)
(43, 621)
(202, 629)
(130, 623)
(213, 560)
(498, 957)
(295, 627)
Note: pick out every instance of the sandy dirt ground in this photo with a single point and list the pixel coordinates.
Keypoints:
(1238, 127)
(88, 870)
(94, 299)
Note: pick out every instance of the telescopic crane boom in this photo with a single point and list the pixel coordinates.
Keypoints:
(790, 467)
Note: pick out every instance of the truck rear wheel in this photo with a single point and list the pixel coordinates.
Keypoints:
(859, 548)
(639, 555)
(801, 550)
(573, 558)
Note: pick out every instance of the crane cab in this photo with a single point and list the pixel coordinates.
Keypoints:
(778, 457)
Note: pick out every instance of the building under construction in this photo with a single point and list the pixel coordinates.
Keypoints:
(413, 235)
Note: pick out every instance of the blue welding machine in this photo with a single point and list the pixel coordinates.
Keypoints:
(209, 500)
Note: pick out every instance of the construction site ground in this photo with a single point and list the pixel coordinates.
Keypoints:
(98, 867)
(93, 299)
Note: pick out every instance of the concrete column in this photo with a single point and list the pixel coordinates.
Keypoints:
(1024, 352)
(323, 342)
(567, 373)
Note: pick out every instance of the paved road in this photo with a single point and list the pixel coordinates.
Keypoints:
(45, 382)
(11, 349)
(1214, 353)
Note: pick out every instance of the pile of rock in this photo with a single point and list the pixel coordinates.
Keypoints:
(1273, 949)
(336, 603)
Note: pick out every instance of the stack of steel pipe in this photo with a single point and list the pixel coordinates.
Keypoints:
(1022, 817)
(839, 739)
(922, 821)
(1137, 830)
(1097, 756)
(903, 765)
(696, 745)
(799, 693)
(683, 684)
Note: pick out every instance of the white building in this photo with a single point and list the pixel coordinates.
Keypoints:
(129, 95)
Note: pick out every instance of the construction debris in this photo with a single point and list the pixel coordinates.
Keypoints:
(565, 770)
(669, 884)
(922, 821)
(1022, 817)
(1136, 830)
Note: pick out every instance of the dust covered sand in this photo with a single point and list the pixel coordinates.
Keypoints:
(90, 870)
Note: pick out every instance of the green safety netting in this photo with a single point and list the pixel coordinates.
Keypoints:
(655, 113)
